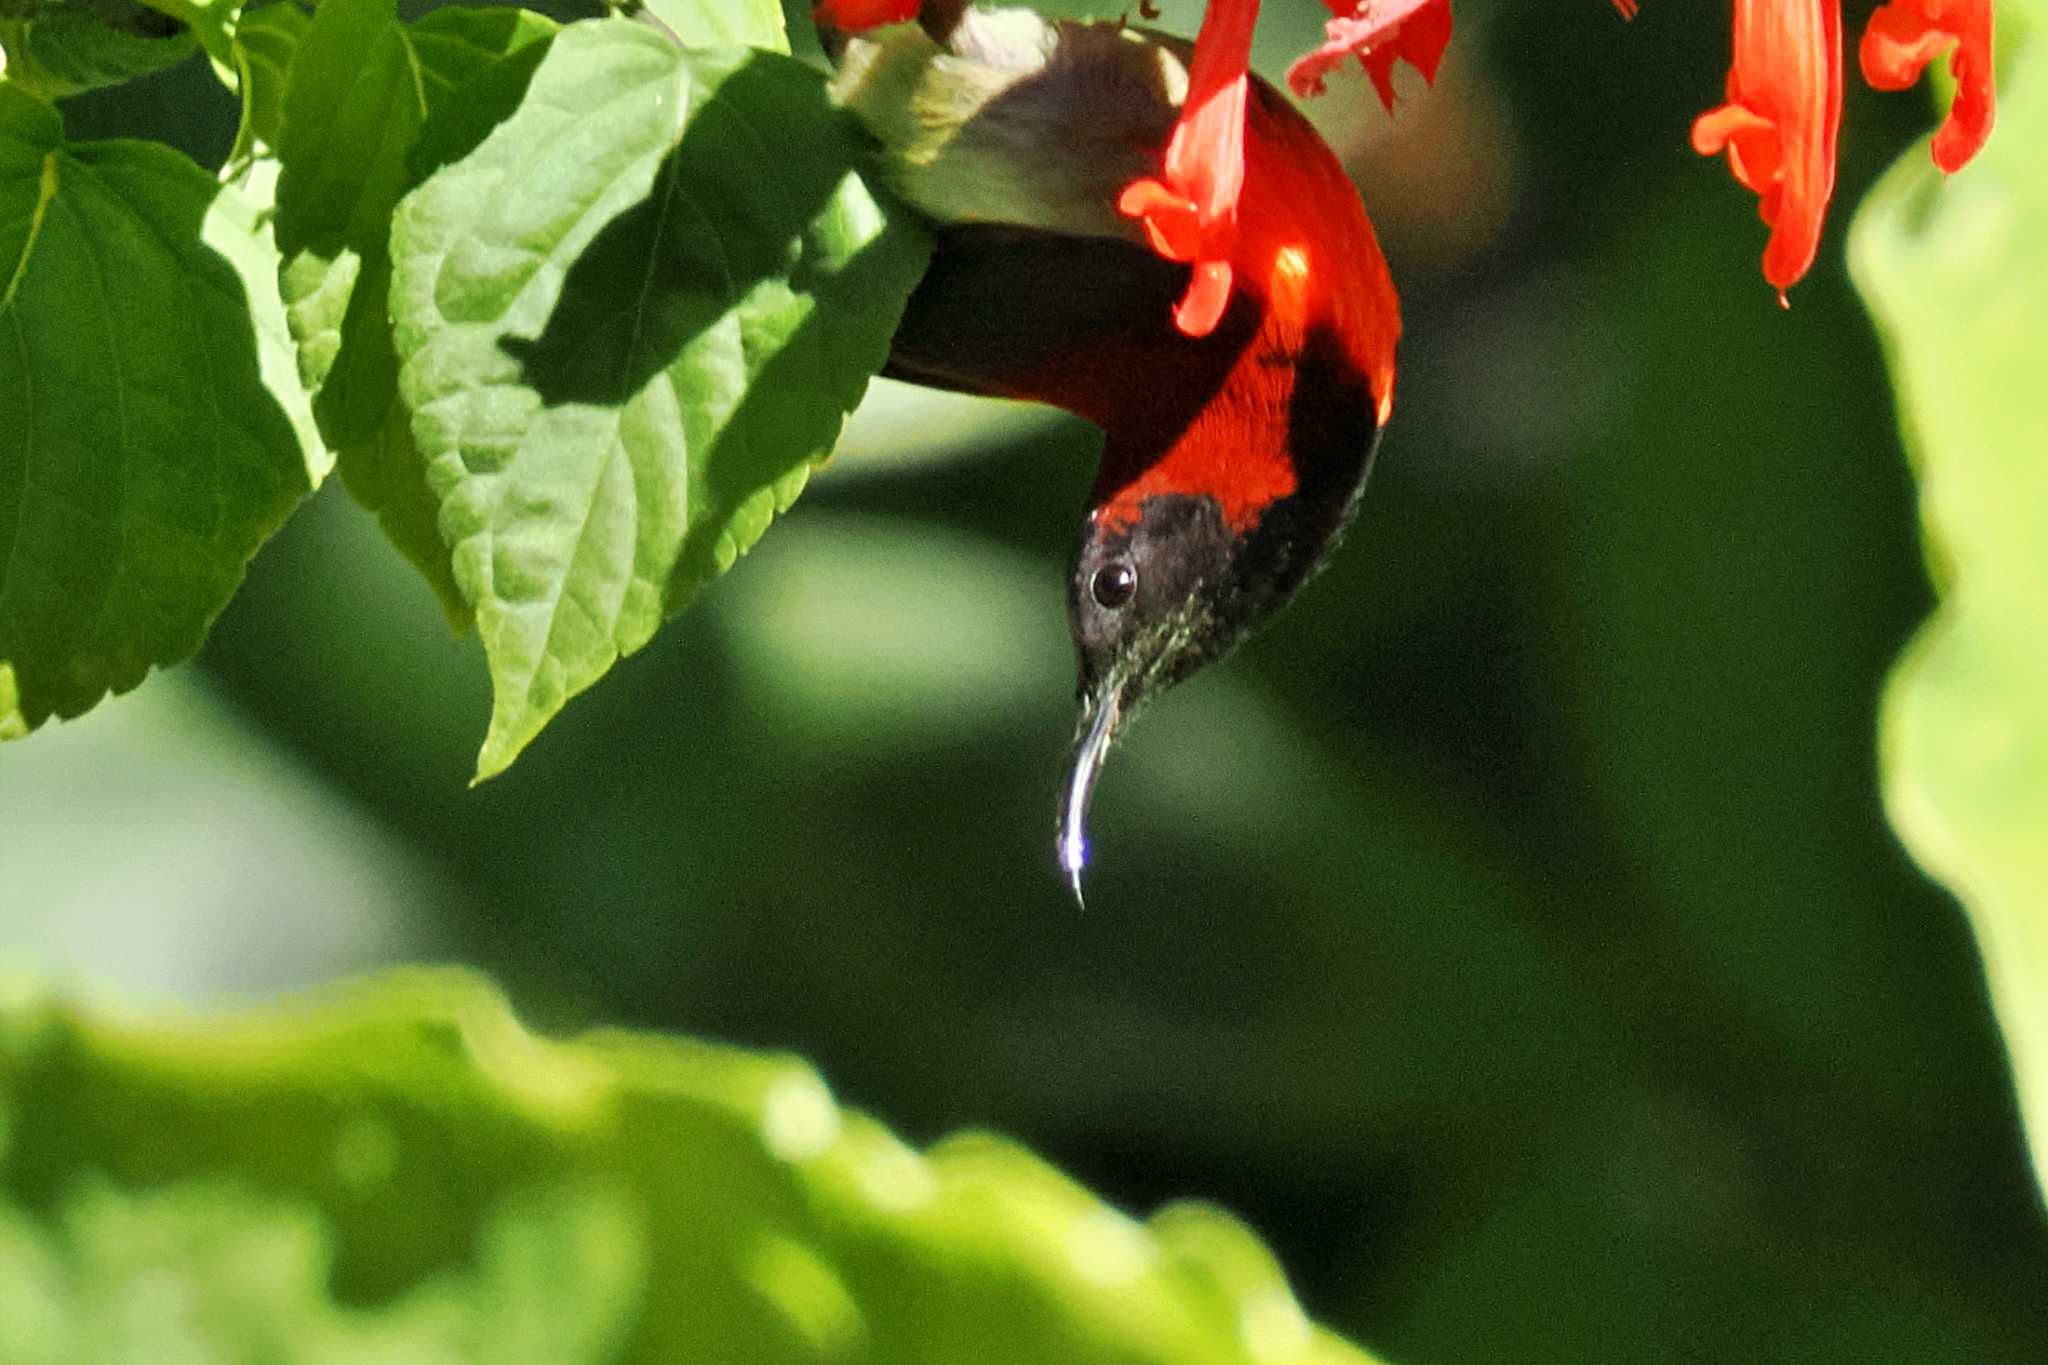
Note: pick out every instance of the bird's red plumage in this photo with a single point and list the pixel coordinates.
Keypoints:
(1211, 415)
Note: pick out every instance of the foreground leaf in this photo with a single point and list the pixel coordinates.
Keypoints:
(409, 1144)
(145, 450)
(632, 321)
(1956, 272)
(555, 1275)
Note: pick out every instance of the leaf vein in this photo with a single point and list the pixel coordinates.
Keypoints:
(46, 193)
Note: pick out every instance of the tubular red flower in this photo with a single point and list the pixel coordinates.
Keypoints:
(1190, 209)
(1905, 35)
(858, 16)
(1779, 124)
(1378, 33)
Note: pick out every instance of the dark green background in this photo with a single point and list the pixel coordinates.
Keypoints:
(1512, 933)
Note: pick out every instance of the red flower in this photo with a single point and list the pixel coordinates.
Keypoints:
(1190, 210)
(858, 16)
(1905, 35)
(1378, 33)
(1778, 126)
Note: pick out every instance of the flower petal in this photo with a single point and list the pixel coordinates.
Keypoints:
(1201, 308)
(1905, 35)
(1190, 209)
(858, 16)
(1778, 126)
(1171, 222)
(1378, 33)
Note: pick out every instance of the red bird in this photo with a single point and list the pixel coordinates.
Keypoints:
(1233, 460)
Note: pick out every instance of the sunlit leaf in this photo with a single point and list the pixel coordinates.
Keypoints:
(363, 86)
(723, 23)
(632, 321)
(623, 1197)
(146, 445)
(1956, 272)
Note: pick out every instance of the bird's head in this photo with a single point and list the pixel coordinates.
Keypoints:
(1167, 581)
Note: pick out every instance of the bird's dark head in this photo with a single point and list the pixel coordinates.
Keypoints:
(1165, 585)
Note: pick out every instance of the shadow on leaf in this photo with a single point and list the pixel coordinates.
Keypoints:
(730, 209)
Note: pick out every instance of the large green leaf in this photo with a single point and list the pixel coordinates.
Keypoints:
(363, 86)
(147, 443)
(632, 321)
(622, 1197)
(1956, 273)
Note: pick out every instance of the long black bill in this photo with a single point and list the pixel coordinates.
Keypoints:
(1089, 751)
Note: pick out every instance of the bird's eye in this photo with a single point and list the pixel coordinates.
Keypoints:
(1114, 583)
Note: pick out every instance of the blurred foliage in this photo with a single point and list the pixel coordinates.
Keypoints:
(417, 1178)
(1512, 934)
(1958, 276)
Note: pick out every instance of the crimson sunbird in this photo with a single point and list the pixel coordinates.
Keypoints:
(1240, 421)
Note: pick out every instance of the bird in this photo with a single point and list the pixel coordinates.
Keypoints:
(1233, 461)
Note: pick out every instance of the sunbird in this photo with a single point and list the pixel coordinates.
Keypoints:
(1239, 363)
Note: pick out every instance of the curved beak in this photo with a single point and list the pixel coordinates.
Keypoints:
(1090, 748)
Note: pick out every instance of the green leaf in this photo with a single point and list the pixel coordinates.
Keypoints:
(212, 22)
(723, 23)
(68, 46)
(363, 86)
(407, 1146)
(632, 321)
(266, 40)
(555, 1279)
(1956, 273)
(145, 451)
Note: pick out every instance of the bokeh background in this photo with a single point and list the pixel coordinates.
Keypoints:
(1512, 933)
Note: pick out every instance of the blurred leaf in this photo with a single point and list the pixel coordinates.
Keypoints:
(723, 23)
(363, 86)
(67, 46)
(407, 1144)
(211, 1271)
(219, 826)
(146, 437)
(862, 633)
(1956, 272)
(597, 465)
